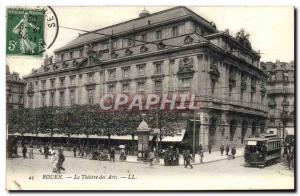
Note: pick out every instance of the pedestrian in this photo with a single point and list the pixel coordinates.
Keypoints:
(289, 148)
(54, 161)
(201, 156)
(74, 150)
(222, 149)
(122, 155)
(284, 149)
(227, 150)
(46, 151)
(31, 151)
(188, 159)
(200, 148)
(289, 159)
(151, 157)
(112, 155)
(61, 159)
(209, 148)
(24, 151)
(233, 152)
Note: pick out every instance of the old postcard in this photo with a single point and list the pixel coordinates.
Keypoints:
(150, 98)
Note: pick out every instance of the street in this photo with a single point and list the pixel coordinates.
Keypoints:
(86, 174)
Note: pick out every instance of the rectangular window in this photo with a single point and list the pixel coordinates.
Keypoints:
(141, 86)
(158, 85)
(158, 67)
(115, 44)
(43, 99)
(62, 98)
(72, 97)
(31, 102)
(131, 41)
(125, 87)
(91, 96)
(52, 98)
(175, 31)
(80, 52)
(158, 35)
(43, 84)
(111, 88)
(144, 37)
(186, 83)
(72, 80)
(90, 78)
(112, 74)
(21, 99)
(62, 82)
(141, 70)
(126, 72)
(52, 83)
(71, 55)
(125, 43)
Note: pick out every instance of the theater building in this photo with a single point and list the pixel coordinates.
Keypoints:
(280, 95)
(172, 51)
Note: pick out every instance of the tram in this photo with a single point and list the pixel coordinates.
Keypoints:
(262, 150)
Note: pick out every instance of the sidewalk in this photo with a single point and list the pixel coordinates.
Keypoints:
(207, 158)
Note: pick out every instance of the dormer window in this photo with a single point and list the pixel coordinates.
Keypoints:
(55, 67)
(188, 40)
(114, 55)
(143, 49)
(128, 52)
(46, 68)
(64, 65)
(161, 46)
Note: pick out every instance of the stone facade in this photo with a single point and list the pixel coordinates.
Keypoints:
(14, 90)
(173, 51)
(280, 90)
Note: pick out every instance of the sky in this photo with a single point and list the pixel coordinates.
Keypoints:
(271, 29)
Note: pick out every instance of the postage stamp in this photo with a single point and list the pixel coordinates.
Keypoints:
(25, 31)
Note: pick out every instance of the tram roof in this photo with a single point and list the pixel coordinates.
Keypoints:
(262, 139)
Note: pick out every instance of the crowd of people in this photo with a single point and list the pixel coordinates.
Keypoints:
(170, 155)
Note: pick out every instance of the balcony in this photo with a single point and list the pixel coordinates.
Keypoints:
(281, 91)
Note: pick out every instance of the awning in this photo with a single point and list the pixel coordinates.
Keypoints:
(289, 131)
(178, 137)
(252, 143)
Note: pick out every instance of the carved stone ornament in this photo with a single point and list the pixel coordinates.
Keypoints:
(188, 40)
(128, 52)
(143, 49)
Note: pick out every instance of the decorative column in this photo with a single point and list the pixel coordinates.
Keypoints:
(204, 130)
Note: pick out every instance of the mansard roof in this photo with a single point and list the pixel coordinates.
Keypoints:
(164, 16)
